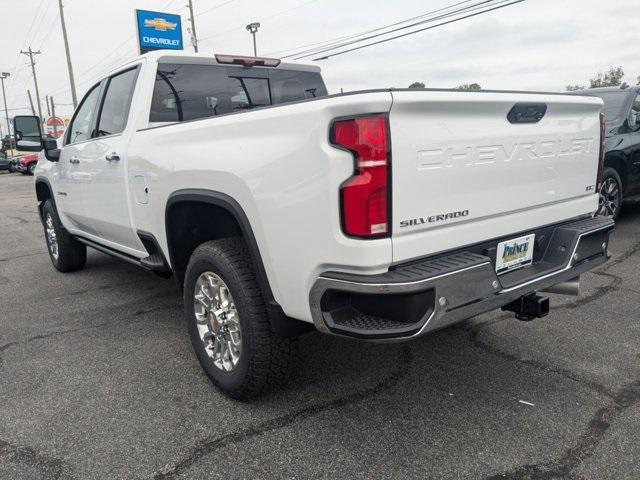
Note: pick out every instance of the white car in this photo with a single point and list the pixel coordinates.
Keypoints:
(381, 215)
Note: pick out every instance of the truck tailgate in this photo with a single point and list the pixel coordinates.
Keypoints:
(462, 172)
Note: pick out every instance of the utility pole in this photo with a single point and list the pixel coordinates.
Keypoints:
(194, 38)
(66, 49)
(4, 98)
(253, 29)
(54, 119)
(30, 53)
(33, 110)
(46, 100)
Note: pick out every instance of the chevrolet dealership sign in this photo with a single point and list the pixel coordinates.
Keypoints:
(157, 30)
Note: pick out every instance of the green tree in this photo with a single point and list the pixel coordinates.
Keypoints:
(573, 88)
(469, 86)
(612, 78)
(417, 85)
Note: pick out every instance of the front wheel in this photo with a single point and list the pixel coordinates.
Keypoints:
(31, 168)
(610, 194)
(228, 323)
(66, 253)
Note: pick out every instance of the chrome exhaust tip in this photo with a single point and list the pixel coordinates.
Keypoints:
(570, 287)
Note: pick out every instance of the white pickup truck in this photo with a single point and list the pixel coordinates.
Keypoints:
(379, 215)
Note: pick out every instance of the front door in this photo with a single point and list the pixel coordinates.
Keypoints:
(71, 177)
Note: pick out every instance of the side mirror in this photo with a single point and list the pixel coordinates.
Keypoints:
(51, 150)
(28, 134)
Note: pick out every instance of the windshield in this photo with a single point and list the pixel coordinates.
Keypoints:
(614, 104)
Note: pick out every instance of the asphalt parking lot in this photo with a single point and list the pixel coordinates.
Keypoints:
(98, 381)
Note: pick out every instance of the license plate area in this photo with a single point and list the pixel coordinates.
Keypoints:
(514, 253)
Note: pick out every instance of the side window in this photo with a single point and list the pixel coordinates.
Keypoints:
(115, 106)
(80, 128)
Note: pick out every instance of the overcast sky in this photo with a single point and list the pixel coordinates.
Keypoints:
(534, 45)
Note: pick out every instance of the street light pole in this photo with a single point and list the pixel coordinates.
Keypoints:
(69, 66)
(4, 98)
(253, 29)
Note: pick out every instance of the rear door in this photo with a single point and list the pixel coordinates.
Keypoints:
(105, 192)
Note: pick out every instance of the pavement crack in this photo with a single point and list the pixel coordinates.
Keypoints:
(206, 447)
(568, 374)
(600, 422)
(50, 467)
(6, 259)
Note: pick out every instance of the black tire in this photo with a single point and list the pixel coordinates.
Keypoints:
(31, 168)
(610, 194)
(71, 255)
(265, 358)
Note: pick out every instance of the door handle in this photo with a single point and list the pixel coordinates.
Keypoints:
(112, 157)
(74, 160)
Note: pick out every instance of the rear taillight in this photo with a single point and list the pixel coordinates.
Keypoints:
(601, 159)
(365, 195)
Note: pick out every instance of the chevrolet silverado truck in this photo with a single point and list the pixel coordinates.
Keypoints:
(378, 215)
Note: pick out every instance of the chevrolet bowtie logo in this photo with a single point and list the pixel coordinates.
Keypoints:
(159, 24)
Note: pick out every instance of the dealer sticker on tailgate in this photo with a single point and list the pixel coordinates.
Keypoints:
(515, 253)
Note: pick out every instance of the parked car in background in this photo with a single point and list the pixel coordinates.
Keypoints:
(5, 163)
(621, 179)
(26, 164)
(13, 164)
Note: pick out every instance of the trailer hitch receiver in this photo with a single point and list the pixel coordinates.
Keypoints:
(529, 307)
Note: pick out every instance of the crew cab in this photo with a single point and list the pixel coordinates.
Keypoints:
(377, 215)
(621, 177)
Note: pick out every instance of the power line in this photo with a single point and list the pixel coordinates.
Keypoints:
(342, 52)
(277, 14)
(24, 41)
(351, 36)
(430, 19)
(215, 7)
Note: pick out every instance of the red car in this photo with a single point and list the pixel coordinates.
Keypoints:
(27, 164)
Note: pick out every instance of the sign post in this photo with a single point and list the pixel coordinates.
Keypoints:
(158, 31)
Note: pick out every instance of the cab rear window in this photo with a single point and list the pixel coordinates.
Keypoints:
(188, 92)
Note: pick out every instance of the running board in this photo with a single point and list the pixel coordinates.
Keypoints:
(154, 263)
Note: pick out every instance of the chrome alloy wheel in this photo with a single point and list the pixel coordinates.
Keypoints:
(609, 198)
(52, 238)
(217, 321)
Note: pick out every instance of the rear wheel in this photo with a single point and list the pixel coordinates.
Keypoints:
(228, 323)
(610, 194)
(66, 253)
(31, 168)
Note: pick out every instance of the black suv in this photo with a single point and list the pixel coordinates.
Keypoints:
(621, 178)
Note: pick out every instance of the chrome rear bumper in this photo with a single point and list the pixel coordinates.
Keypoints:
(411, 300)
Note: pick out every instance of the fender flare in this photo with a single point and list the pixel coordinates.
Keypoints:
(45, 181)
(232, 206)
